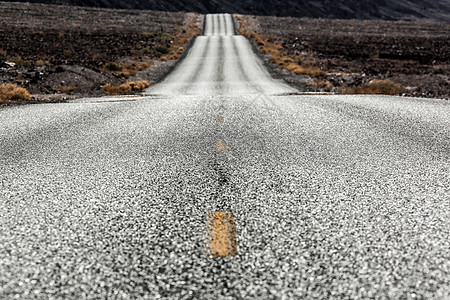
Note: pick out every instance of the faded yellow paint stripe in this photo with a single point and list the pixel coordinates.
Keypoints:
(222, 234)
(221, 146)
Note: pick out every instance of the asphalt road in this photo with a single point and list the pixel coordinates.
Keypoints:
(334, 197)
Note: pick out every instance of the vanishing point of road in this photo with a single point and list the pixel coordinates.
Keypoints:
(224, 183)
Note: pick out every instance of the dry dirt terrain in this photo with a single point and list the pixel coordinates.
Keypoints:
(352, 53)
(73, 51)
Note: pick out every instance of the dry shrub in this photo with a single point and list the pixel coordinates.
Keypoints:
(20, 62)
(378, 87)
(162, 49)
(142, 65)
(112, 67)
(180, 40)
(323, 84)
(260, 42)
(128, 70)
(10, 91)
(247, 25)
(98, 56)
(270, 51)
(170, 57)
(281, 61)
(41, 63)
(268, 45)
(126, 88)
(67, 53)
(66, 89)
(305, 69)
(180, 50)
(183, 40)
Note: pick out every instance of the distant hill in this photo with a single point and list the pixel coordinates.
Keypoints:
(338, 9)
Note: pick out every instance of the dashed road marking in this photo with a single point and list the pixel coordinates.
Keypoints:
(221, 146)
(222, 240)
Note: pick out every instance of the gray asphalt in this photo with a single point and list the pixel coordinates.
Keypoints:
(335, 197)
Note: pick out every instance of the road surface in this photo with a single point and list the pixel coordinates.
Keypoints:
(333, 197)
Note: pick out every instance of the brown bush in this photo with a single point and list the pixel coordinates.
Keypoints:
(180, 50)
(378, 87)
(66, 89)
(142, 65)
(270, 51)
(281, 61)
(20, 62)
(170, 57)
(10, 91)
(180, 40)
(323, 84)
(68, 53)
(268, 46)
(41, 63)
(126, 88)
(305, 69)
(128, 70)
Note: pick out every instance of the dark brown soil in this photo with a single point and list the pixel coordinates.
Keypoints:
(56, 48)
(415, 54)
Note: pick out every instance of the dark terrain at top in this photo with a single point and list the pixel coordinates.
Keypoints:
(336, 9)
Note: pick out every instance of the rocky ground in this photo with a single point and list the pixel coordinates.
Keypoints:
(57, 55)
(354, 52)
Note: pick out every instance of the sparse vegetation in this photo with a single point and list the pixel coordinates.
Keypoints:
(66, 89)
(142, 65)
(128, 70)
(41, 63)
(162, 49)
(179, 41)
(305, 69)
(126, 88)
(170, 57)
(112, 67)
(67, 53)
(92, 42)
(320, 84)
(20, 62)
(381, 87)
(10, 91)
(278, 55)
(355, 56)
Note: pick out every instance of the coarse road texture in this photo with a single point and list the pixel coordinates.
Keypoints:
(333, 197)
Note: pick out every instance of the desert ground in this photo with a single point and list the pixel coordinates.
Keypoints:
(352, 53)
(58, 53)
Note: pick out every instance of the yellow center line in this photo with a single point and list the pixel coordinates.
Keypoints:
(222, 241)
(221, 146)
